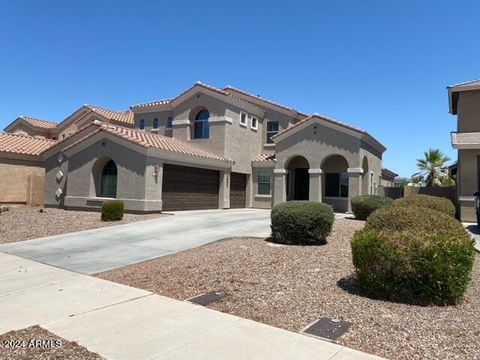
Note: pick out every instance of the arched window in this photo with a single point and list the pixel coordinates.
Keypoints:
(142, 124)
(108, 182)
(201, 128)
(155, 124)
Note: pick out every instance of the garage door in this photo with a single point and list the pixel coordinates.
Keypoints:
(238, 190)
(187, 188)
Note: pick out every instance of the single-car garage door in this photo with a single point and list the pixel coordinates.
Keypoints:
(238, 190)
(187, 188)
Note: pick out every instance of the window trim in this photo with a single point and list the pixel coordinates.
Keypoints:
(264, 182)
(243, 124)
(256, 123)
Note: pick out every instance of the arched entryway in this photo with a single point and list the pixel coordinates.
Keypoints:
(298, 180)
(104, 174)
(335, 184)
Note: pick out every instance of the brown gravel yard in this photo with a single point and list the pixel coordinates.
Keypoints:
(23, 222)
(19, 345)
(291, 286)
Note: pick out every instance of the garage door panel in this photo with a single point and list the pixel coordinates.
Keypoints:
(238, 190)
(188, 188)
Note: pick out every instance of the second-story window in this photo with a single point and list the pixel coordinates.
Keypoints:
(170, 122)
(142, 124)
(155, 124)
(201, 129)
(272, 129)
(254, 124)
(243, 119)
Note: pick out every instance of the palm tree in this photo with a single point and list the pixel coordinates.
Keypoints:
(433, 168)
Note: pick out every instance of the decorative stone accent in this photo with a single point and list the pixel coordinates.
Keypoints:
(58, 193)
(59, 175)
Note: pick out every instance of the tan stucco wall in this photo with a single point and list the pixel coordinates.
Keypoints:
(21, 181)
(468, 110)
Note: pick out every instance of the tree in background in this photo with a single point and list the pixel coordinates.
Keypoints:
(433, 169)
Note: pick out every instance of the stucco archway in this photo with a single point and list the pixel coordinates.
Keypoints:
(298, 182)
(335, 184)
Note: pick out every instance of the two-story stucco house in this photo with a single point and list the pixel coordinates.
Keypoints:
(210, 148)
(464, 101)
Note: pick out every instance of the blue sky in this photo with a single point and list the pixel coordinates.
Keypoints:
(379, 65)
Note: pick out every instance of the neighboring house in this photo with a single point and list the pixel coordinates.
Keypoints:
(464, 101)
(387, 178)
(210, 148)
(22, 169)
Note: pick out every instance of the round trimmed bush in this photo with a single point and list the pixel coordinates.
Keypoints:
(301, 222)
(426, 201)
(413, 255)
(112, 210)
(364, 205)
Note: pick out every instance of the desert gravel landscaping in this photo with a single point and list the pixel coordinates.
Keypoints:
(291, 286)
(23, 222)
(48, 346)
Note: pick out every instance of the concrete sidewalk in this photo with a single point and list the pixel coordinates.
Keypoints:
(474, 231)
(120, 322)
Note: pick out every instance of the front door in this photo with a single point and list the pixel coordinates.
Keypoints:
(302, 184)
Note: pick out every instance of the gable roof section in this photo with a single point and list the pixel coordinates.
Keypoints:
(38, 123)
(25, 145)
(33, 122)
(455, 89)
(388, 174)
(147, 140)
(120, 116)
(303, 123)
(198, 85)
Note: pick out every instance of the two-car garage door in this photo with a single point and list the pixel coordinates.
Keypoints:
(188, 188)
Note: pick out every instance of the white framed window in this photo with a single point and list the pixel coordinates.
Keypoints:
(243, 119)
(254, 123)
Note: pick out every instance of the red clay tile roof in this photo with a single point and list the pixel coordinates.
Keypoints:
(265, 157)
(151, 103)
(150, 140)
(44, 124)
(201, 84)
(120, 116)
(23, 144)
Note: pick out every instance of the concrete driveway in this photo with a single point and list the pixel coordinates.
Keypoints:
(94, 251)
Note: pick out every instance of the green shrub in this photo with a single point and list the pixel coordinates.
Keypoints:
(364, 205)
(112, 210)
(432, 202)
(301, 222)
(416, 255)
